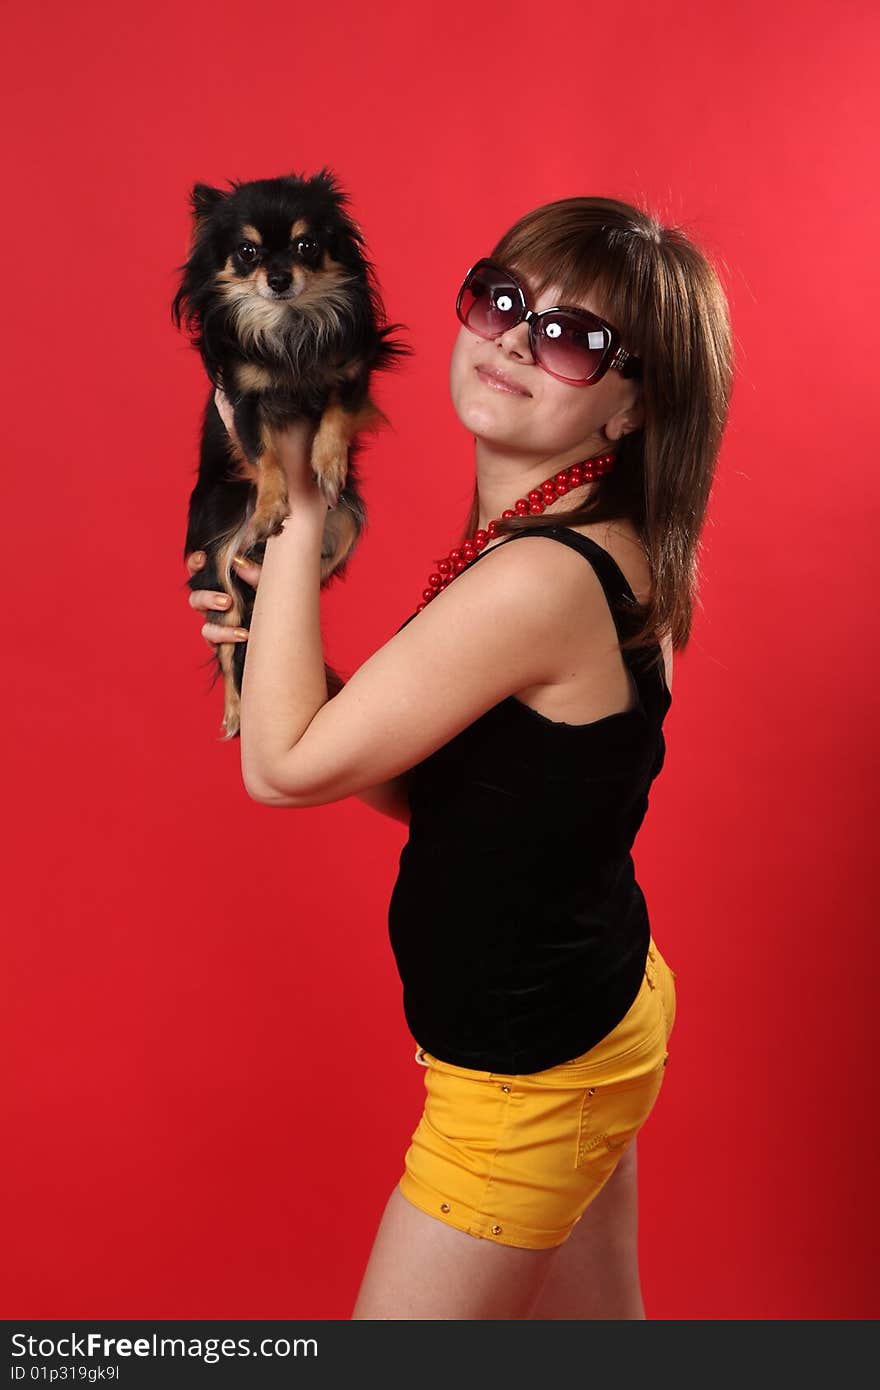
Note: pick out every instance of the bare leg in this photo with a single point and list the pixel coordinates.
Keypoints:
(595, 1274)
(421, 1268)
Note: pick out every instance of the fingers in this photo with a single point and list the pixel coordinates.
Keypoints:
(214, 634)
(249, 570)
(207, 601)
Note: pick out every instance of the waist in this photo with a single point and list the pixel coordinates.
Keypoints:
(507, 980)
(482, 1023)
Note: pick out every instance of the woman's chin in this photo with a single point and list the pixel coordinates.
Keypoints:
(487, 422)
(494, 438)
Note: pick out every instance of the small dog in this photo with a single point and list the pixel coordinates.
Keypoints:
(282, 305)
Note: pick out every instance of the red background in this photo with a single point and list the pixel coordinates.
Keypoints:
(212, 1085)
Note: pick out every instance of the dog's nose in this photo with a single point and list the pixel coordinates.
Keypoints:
(279, 280)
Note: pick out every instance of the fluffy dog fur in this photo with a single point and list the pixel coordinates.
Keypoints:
(282, 305)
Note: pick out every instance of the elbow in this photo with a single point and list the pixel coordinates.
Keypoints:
(268, 796)
(262, 789)
(296, 785)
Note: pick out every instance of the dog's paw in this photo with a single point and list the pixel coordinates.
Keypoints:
(330, 467)
(329, 492)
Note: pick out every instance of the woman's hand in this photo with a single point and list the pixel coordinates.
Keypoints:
(206, 601)
(294, 449)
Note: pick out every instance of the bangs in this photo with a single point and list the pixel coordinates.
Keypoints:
(605, 264)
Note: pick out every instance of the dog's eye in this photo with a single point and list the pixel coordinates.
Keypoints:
(247, 252)
(307, 248)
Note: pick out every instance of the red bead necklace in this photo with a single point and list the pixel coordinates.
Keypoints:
(533, 505)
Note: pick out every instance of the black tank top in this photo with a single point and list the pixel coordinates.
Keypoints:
(519, 931)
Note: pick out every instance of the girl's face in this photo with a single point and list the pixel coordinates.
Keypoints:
(547, 418)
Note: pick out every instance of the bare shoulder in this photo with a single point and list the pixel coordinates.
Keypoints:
(579, 592)
(535, 581)
(550, 576)
(619, 539)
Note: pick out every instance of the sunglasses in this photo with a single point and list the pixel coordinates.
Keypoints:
(571, 344)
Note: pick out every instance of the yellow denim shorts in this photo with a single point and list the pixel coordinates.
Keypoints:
(518, 1158)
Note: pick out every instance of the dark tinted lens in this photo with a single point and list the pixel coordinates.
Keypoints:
(570, 347)
(488, 303)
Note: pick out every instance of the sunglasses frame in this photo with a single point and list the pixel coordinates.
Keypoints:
(614, 354)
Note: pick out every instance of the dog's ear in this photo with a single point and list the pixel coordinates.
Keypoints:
(204, 200)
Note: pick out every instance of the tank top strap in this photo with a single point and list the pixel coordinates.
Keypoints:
(619, 596)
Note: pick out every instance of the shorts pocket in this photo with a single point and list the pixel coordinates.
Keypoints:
(463, 1117)
(612, 1113)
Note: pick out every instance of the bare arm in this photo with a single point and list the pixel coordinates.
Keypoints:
(487, 638)
(388, 798)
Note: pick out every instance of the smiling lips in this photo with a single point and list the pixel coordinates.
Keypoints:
(500, 381)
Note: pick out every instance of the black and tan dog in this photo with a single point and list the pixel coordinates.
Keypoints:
(283, 307)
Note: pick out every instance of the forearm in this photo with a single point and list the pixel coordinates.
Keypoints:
(284, 682)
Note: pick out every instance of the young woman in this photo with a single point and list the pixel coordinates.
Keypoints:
(515, 723)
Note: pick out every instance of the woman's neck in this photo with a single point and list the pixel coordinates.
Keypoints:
(502, 478)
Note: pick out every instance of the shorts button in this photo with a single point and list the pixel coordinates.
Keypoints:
(505, 1088)
(496, 1230)
(444, 1206)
